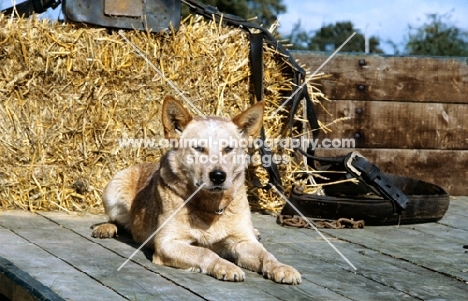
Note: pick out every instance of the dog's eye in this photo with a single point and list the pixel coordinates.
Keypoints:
(199, 149)
(228, 149)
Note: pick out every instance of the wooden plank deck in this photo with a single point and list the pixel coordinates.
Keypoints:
(411, 262)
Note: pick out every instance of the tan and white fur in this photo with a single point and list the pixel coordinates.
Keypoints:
(213, 232)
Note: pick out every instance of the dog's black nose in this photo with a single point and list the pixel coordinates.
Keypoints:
(217, 177)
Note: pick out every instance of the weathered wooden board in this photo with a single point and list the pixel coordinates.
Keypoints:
(447, 169)
(407, 114)
(257, 287)
(411, 262)
(99, 260)
(49, 270)
(441, 79)
(391, 275)
(404, 125)
(444, 252)
(65, 249)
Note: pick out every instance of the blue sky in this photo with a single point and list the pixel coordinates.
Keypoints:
(387, 20)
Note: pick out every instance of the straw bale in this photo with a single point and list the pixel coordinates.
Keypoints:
(69, 94)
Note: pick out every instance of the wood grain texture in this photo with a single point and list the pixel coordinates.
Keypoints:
(406, 114)
(446, 168)
(405, 125)
(410, 262)
(426, 79)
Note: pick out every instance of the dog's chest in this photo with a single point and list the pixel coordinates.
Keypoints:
(209, 236)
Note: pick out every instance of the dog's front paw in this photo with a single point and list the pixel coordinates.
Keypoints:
(282, 273)
(106, 230)
(224, 270)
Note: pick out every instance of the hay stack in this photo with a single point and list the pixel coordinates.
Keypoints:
(68, 94)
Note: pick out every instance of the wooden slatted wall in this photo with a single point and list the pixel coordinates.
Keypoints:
(408, 115)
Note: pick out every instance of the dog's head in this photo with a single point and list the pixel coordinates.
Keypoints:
(210, 150)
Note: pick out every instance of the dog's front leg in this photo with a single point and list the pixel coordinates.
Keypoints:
(253, 256)
(185, 256)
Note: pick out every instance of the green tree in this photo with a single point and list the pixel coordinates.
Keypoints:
(299, 38)
(266, 11)
(438, 36)
(330, 37)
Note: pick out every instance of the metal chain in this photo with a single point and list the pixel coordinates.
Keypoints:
(299, 222)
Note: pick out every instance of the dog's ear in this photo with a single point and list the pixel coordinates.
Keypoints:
(250, 121)
(174, 117)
